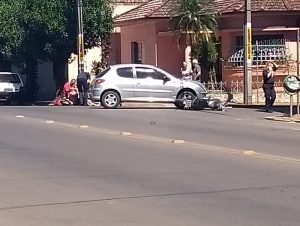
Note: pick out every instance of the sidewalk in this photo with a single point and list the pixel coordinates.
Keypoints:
(255, 105)
(282, 110)
(284, 118)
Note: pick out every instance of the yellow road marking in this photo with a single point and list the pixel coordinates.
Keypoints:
(193, 145)
(178, 141)
(248, 153)
(125, 134)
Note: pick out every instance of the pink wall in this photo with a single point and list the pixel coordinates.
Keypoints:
(170, 57)
(160, 46)
(115, 51)
(259, 20)
(160, 49)
(236, 75)
(231, 26)
(145, 33)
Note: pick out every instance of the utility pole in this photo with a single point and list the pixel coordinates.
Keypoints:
(247, 54)
(80, 41)
(298, 69)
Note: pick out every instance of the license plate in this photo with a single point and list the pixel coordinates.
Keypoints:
(8, 90)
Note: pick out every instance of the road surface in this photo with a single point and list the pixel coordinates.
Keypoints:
(90, 166)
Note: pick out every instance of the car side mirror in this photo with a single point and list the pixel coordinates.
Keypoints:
(166, 79)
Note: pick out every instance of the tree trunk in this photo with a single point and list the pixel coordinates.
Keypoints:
(31, 70)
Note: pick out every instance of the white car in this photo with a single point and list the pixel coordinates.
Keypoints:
(11, 87)
(142, 83)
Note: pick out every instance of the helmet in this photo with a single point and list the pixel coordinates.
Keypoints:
(195, 61)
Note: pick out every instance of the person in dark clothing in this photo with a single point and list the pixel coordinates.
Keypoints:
(82, 86)
(269, 84)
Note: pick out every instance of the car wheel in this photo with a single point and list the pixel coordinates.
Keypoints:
(184, 95)
(110, 99)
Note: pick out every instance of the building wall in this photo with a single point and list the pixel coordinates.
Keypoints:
(45, 80)
(91, 55)
(115, 48)
(259, 20)
(47, 87)
(170, 55)
(232, 26)
(160, 47)
(144, 33)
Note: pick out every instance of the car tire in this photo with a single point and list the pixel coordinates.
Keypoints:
(110, 99)
(183, 95)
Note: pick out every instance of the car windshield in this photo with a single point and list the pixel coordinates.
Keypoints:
(11, 78)
(103, 72)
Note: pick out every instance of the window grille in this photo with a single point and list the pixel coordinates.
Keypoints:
(270, 47)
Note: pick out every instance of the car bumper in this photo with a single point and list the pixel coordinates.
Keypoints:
(9, 96)
(201, 95)
(96, 95)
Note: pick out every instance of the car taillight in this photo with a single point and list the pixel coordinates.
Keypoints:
(99, 81)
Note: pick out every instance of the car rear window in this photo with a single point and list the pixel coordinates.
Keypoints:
(125, 72)
(103, 72)
(11, 78)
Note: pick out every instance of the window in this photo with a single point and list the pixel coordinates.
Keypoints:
(269, 47)
(103, 72)
(137, 52)
(262, 40)
(143, 72)
(125, 72)
(11, 78)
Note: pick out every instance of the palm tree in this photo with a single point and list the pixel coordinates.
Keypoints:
(193, 20)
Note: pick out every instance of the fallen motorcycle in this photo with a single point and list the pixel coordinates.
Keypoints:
(200, 104)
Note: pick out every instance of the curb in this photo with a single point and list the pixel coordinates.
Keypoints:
(240, 105)
(283, 119)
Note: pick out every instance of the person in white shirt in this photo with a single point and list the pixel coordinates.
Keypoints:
(185, 71)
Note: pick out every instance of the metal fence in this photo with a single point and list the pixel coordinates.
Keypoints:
(219, 87)
(235, 87)
(264, 49)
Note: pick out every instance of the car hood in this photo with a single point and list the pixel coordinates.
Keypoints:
(195, 84)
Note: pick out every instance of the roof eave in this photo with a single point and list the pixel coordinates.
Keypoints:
(125, 23)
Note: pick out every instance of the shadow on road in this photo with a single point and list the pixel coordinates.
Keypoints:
(278, 109)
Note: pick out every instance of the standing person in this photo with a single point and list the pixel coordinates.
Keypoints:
(196, 70)
(82, 86)
(185, 71)
(269, 84)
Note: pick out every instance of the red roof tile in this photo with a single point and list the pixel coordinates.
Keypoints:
(161, 8)
(128, 1)
(259, 5)
(153, 8)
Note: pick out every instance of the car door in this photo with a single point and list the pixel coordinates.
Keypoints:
(152, 85)
(125, 82)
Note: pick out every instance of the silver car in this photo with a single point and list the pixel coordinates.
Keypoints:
(141, 83)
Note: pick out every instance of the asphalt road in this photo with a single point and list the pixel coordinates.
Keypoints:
(74, 166)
